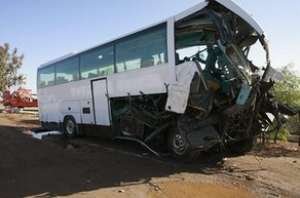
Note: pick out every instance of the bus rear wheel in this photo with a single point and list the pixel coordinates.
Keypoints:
(70, 127)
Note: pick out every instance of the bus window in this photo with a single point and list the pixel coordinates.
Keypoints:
(67, 71)
(192, 45)
(144, 50)
(46, 77)
(97, 62)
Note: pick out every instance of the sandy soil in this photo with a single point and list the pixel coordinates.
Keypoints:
(91, 167)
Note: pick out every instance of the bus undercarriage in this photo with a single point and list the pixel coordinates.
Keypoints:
(220, 100)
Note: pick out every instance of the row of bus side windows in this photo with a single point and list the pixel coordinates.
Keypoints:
(144, 50)
(98, 62)
(59, 73)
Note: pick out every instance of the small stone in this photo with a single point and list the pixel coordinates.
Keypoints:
(157, 188)
(121, 191)
(230, 169)
(249, 178)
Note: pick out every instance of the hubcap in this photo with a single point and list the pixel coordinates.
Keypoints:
(70, 127)
(179, 144)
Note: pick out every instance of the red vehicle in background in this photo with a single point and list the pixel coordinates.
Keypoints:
(20, 98)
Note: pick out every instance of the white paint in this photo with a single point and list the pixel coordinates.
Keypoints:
(191, 11)
(171, 48)
(243, 14)
(178, 93)
(150, 80)
(54, 101)
(229, 5)
(101, 104)
(87, 118)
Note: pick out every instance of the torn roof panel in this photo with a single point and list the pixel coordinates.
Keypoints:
(191, 10)
(241, 13)
(230, 5)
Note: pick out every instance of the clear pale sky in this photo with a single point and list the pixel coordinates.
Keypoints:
(46, 29)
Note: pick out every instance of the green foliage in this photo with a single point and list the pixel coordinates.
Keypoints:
(10, 63)
(287, 91)
(293, 125)
(282, 135)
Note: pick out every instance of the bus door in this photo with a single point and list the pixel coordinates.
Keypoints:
(100, 102)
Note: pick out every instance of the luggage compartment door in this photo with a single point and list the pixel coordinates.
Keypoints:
(101, 102)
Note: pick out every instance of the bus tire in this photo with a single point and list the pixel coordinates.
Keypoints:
(178, 144)
(70, 127)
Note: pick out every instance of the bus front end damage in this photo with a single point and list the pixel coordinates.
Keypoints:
(220, 100)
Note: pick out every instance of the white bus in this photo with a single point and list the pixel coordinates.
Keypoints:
(181, 84)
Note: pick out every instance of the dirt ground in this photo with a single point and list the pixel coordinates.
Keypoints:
(92, 167)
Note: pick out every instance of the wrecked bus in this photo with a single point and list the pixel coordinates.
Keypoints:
(186, 85)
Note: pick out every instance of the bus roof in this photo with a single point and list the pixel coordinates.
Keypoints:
(230, 5)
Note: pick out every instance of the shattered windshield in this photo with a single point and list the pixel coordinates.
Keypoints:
(224, 50)
(256, 55)
(224, 64)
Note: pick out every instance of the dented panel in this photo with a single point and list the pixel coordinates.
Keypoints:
(178, 92)
(240, 12)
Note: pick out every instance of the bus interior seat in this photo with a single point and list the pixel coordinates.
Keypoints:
(148, 61)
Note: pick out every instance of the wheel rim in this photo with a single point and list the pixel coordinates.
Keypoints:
(179, 144)
(70, 127)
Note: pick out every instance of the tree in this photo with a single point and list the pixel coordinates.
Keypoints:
(10, 63)
(287, 92)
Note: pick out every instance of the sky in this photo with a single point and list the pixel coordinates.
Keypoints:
(43, 30)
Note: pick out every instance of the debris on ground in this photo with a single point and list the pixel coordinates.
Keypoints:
(40, 136)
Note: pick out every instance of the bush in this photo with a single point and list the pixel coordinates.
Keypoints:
(287, 92)
(282, 135)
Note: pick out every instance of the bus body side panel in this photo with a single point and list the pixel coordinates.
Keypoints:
(151, 80)
(71, 99)
(101, 102)
(75, 98)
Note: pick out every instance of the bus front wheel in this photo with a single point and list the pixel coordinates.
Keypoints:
(70, 127)
(179, 144)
